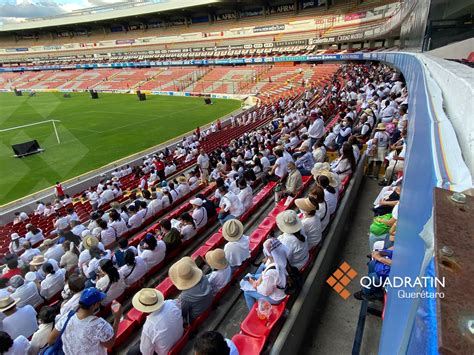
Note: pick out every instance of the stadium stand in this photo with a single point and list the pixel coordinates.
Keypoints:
(136, 251)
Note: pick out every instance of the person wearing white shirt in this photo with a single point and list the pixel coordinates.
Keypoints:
(26, 292)
(34, 235)
(110, 281)
(18, 320)
(293, 238)
(29, 253)
(237, 248)
(53, 282)
(316, 128)
(156, 204)
(108, 235)
(15, 346)
(135, 220)
(163, 326)
(311, 222)
(230, 205)
(53, 251)
(134, 268)
(16, 244)
(152, 251)
(39, 341)
(183, 187)
(77, 228)
(199, 213)
(279, 169)
(117, 224)
(245, 194)
(271, 282)
(39, 208)
(106, 196)
(222, 272)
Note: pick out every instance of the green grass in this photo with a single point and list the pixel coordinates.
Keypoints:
(93, 133)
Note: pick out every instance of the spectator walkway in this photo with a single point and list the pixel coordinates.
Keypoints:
(335, 319)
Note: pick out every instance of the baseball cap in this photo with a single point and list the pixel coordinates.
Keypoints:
(91, 296)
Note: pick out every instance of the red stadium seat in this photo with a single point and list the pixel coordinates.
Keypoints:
(247, 345)
(135, 315)
(166, 287)
(256, 327)
(180, 344)
(125, 329)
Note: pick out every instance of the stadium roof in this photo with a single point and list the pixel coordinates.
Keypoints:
(108, 12)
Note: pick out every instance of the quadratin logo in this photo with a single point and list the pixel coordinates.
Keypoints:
(341, 278)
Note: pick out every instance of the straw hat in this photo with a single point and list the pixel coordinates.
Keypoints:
(288, 222)
(232, 230)
(15, 236)
(368, 111)
(330, 175)
(305, 204)
(380, 127)
(7, 303)
(48, 243)
(114, 205)
(148, 300)
(196, 201)
(216, 259)
(38, 260)
(90, 241)
(185, 274)
(181, 179)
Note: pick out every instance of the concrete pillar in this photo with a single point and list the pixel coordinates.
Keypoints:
(372, 44)
(350, 45)
(389, 42)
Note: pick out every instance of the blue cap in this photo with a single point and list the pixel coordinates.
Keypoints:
(91, 296)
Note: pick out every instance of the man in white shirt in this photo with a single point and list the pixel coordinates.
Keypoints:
(18, 320)
(164, 323)
(29, 253)
(237, 249)
(316, 128)
(53, 250)
(203, 163)
(25, 292)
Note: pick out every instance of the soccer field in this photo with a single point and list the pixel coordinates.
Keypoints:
(93, 133)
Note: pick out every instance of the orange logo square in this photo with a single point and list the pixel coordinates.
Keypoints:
(345, 274)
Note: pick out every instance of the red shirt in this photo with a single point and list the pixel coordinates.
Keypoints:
(159, 165)
(59, 190)
(10, 273)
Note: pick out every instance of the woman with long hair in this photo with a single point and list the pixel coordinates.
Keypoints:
(133, 269)
(109, 281)
(345, 165)
(187, 227)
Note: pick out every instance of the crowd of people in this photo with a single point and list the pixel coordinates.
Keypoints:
(87, 267)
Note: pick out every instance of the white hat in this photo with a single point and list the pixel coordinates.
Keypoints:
(196, 201)
(15, 236)
(288, 222)
(30, 276)
(85, 232)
